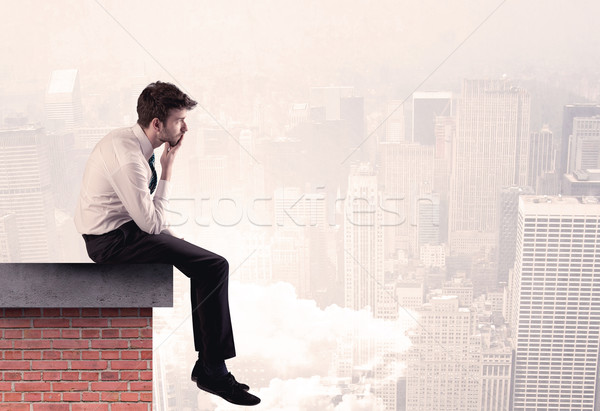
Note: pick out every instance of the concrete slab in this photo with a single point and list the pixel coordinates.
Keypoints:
(85, 285)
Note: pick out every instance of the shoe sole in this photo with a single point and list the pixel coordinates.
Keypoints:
(203, 388)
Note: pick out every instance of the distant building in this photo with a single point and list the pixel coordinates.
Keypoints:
(584, 144)
(426, 107)
(542, 156)
(582, 183)
(64, 110)
(571, 111)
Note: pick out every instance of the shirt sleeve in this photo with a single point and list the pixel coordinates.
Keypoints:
(130, 182)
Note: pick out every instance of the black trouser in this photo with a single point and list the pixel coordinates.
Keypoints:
(208, 272)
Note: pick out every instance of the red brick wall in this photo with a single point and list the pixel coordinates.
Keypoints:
(72, 359)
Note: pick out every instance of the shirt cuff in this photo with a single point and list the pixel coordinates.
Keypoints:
(163, 190)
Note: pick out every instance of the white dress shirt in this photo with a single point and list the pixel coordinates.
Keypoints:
(115, 186)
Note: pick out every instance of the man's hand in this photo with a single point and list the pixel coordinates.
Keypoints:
(168, 158)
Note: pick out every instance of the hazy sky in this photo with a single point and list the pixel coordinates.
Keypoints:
(296, 42)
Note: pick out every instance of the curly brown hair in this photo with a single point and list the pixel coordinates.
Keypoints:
(158, 99)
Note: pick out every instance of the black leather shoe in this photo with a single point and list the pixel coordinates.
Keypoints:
(199, 374)
(229, 389)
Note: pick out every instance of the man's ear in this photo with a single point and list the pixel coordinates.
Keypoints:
(156, 124)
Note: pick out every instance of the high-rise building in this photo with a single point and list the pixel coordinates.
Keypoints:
(582, 183)
(25, 190)
(571, 111)
(363, 240)
(490, 152)
(395, 128)
(426, 107)
(428, 220)
(554, 307)
(507, 228)
(584, 144)
(9, 240)
(64, 110)
(542, 154)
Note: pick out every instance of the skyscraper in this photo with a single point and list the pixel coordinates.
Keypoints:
(490, 152)
(584, 144)
(426, 107)
(64, 110)
(571, 111)
(554, 309)
(542, 155)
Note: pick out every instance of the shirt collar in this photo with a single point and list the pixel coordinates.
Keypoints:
(147, 149)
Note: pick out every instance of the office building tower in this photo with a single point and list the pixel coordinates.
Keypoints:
(584, 144)
(64, 110)
(9, 240)
(571, 111)
(395, 128)
(554, 307)
(495, 378)
(363, 240)
(542, 155)
(507, 228)
(582, 183)
(490, 152)
(444, 363)
(426, 107)
(428, 220)
(25, 190)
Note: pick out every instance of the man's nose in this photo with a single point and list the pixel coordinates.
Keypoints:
(184, 127)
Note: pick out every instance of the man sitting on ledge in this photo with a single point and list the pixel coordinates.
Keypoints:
(121, 223)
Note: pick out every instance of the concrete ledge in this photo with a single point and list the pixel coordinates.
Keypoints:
(85, 285)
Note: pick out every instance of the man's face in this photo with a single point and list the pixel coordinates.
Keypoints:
(174, 127)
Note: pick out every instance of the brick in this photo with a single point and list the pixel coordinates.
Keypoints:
(51, 333)
(71, 333)
(70, 386)
(52, 396)
(71, 396)
(51, 312)
(141, 344)
(129, 312)
(109, 396)
(13, 355)
(51, 376)
(13, 312)
(130, 407)
(109, 376)
(111, 333)
(14, 365)
(33, 344)
(52, 355)
(90, 322)
(71, 355)
(90, 355)
(13, 334)
(32, 386)
(12, 376)
(90, 406)
(14, 407)
(130, 375)
(130, 333)
(89, 365)
(146, 312)
(141, 386)
(129, 322)
(15, 323)
(32, 355)
(13, 396)
(110, 344)
(90, 312)
(32, 376)
(51, 407)
(6, 386)
(130, 396)
(71, 312)
(146, 375)
(68, 376)
(6, 344)
(146, 333)
(110, 312)
(146, 354)
(66, 344)
(130, 355)
(51, 323)
(110, 355)
(90, 396)
(87, 333)
(32, 312)
(32, 396)
(129, 365)
(146, 396)
(32, 334)
(50, 365)
(89, 376)
(109, 386)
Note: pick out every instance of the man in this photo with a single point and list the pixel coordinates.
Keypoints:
(121, 223)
